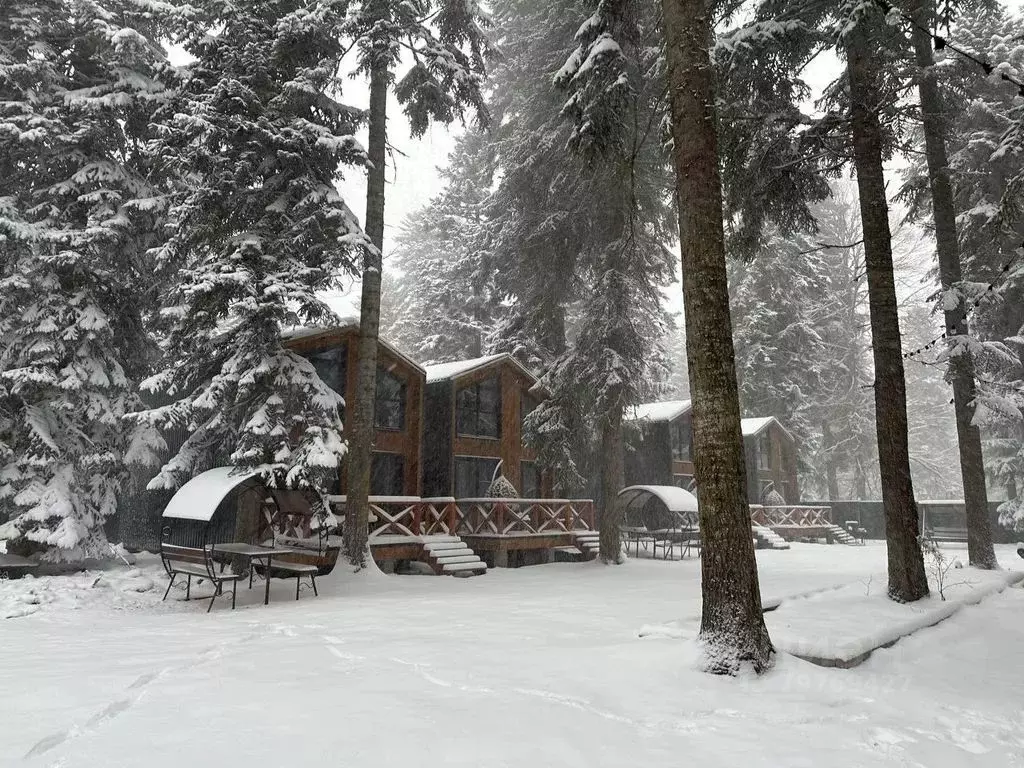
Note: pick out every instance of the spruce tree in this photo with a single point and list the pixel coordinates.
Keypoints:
(255, 138)
(446, 43)
(732, 627)
(78, 85)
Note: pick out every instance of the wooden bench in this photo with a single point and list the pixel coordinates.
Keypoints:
(195, 562)
(946, 533)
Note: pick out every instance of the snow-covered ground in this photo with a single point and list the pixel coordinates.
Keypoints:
(540, 666)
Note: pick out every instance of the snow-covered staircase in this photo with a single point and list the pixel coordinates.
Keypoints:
(451, 556)
(768, 539)
(843, 536)
(588, 542)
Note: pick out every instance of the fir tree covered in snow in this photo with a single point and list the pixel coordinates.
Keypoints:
(443, 305)
(986, 146)
(79, 82)
(256, 139)
(599, 212)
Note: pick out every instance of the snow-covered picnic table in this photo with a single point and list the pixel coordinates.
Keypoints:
(255, 552)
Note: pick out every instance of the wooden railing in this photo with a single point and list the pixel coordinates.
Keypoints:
(412, 516)
(516, 517)
(791, 516)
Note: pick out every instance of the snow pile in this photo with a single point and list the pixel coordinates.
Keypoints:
(29, 594)
(843, 625)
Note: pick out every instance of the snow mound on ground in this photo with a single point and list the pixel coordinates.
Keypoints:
(30, 594)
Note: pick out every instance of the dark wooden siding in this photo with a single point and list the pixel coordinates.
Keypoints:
(438, 419)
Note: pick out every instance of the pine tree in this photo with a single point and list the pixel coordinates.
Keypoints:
(732, 626)
(581, 214)
(987, 175)
(256, 140)
(78, 85)
(447, 45)
(445, 298)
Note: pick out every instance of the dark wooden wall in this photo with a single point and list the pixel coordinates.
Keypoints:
(438, 423)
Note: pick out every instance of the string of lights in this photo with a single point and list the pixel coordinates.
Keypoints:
(940, 43)
(970, 306)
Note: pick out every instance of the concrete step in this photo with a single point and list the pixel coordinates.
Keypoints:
(467, 558)
(445, 546)
(461, 567)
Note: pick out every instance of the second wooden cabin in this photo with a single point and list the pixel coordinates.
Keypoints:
(474, 412)
(661, 452)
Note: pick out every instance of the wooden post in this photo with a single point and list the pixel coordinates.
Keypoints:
(451, 513)
(417, 517)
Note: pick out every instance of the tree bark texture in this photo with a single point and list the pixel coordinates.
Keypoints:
(907, 580)
(613, 476)
(732, 629)
(360, 444)
(980, 552)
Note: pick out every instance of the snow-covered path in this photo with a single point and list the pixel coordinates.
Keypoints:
(538, 666)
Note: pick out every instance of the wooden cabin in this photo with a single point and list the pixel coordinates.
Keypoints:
(660, 452)
(474, 412)
(398, 411)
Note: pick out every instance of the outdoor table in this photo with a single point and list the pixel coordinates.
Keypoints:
(254, 552)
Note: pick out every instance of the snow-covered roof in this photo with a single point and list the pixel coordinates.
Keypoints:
(347, 323)
(457, 368)
(675, 499)
(754, 426)
(199, 498)
(666, 410)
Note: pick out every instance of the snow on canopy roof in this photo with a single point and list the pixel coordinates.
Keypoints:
(199, 498)
(675, 499)
(667, 410)
(457, 368)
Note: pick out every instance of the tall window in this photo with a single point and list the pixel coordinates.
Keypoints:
(680, 434)
(764, 452)
(332, 366)
(387, 474)
(389, 406)
(531, 485)
(473, 476)
(478, 409)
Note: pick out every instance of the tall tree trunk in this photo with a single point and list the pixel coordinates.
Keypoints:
(732, 626)
(360, 444)
(961, 367)
(613, 476)
(907, 580)
(831, 478)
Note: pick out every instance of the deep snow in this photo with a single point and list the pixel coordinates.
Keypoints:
(540, 666)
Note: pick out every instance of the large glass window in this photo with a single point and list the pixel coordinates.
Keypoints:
(680, 433)
(764, 452)
(389, 408)
(332, 366)
(473, 476)
(478, 409)
(387, 474)
(531, 480)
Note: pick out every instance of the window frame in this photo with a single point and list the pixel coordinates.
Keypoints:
(460, 426)
(384, 374)
(677, 429)
(477, 460)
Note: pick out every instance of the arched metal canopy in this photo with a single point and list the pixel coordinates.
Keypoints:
(675, 499)
(199, 498)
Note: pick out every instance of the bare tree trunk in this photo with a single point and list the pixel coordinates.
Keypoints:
(961, 367)
(830, 461)
(732, 626)
(360, 444)
(613, 477)
(907, 580)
